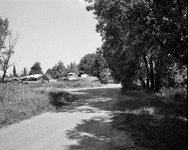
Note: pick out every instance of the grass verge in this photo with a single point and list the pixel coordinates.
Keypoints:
(19, 101)
(84, 83)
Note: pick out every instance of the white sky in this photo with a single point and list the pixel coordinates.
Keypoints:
(50, 31)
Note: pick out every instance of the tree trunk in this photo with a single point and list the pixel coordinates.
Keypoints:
(142, 82)
(151, 74)
(157, 83)
(147, 69)
(4, 75)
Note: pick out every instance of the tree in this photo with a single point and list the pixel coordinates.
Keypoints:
(87, 63)
(73, 68)
(4, 24)
(142, 39)
(58, 71)
(14, 72)
(24, 72)
(36, 69)
(6, 53)
(100, 66)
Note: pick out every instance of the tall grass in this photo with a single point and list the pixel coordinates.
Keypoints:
(74, 84)
(19, 101)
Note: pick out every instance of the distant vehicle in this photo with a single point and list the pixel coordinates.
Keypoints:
(32, 78)
(84, 76)
(72, 76)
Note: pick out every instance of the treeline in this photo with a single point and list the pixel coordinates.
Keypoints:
(144, 41)
(92, 64)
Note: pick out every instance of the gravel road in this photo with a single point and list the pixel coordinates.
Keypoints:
(49, 130)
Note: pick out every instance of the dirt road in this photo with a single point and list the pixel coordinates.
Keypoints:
(52, 130)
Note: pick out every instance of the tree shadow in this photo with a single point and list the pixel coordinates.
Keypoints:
(152, 122)
(97, 134)
(61, 98)
(138, 121)
(101, 99)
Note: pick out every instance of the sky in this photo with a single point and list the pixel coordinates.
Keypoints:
(50, 31)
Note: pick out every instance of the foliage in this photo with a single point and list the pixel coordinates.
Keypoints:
(14, 72)
(175, 94)
(100, 63)
(142, 39)
(36, 69)
(57, 71)
(24, 72)
(4, 24)
(86, 64)
(73, 68)
(104, 76)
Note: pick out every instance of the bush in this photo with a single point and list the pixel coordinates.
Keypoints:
(103, 76)
(178, 97)
(177, 94)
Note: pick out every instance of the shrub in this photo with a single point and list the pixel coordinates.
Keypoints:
(103, 76)
(177, 94)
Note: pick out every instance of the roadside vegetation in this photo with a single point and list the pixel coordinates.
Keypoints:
(21, 101)
(74, 84)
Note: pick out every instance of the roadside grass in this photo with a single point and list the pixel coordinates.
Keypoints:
(84, 83)
(140, 121)
(19, 101)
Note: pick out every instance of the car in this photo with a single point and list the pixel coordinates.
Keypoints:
(72, 76)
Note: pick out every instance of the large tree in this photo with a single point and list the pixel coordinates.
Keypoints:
(142, 39)
(36, 69)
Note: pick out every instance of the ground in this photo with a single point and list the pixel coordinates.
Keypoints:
(100, 119)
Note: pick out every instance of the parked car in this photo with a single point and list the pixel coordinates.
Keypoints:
(72, 76)
(84, 76)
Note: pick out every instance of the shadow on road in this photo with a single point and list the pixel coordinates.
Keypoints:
(133, 121)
